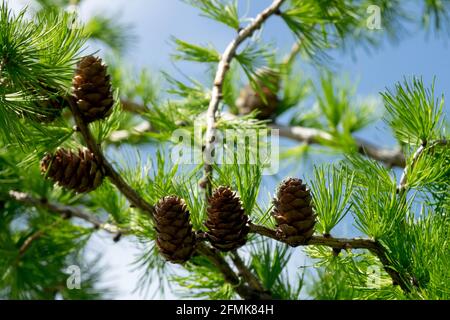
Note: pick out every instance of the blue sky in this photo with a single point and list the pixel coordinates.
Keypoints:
(155, 21)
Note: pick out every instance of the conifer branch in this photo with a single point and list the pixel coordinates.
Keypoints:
(124, 135)
(216, 93)
(32, 239)
(404, 178)
(290, 57)
(403, 184)
(391, 157)
(344, 244)
(131, 194)
(245, 272)
(29, 241)
(67, 212)
(246, 292)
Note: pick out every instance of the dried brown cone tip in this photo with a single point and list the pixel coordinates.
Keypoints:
(92, 89)
(227, 222)
(78, 171)
(175, 238)
(293, 212)
(250, 99)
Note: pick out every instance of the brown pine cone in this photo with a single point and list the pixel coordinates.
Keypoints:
(227, 222)
(92, 89)
(293, 212)
(250, 100)
(175, 238)
(75, 171)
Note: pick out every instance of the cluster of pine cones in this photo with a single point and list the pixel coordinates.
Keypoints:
(228, 225)
(79, 170)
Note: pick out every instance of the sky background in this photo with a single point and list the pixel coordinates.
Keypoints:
(155, 21)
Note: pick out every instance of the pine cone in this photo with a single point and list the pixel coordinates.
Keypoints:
(79, 172)
(175, 238)
(92, 88)
(250, 100)
(227, 221)
(293, 212)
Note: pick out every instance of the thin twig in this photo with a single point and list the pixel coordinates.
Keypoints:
(230, 276)
(391, 157)
(290, 57)
(33, 238)
(119, 136)
(216, 93)
(29, 241)
(403, 184)
(404, 179)
(131, 194)
(245, 272)
(67, 212)
(344, 244)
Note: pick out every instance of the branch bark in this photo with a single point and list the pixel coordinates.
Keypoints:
(246, 292)
(67, 212)
(344, 244)
(252, 291)
(391, 157)
(290, 57)
(245, 272)
(216, 93)
(132, 196)
(29, 241)
(403, 184)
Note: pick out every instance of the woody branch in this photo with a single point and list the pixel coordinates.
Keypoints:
(252, 291)
(217, 94)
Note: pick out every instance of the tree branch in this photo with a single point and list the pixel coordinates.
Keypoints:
(132, 196)
(216, 93)
(345, 244)
(290, 57)
(245, 272)
(123, 135)
(403, 184)
(230, 276)
(391, 157)
(67, 212)
(131, 106)
(29, 241)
